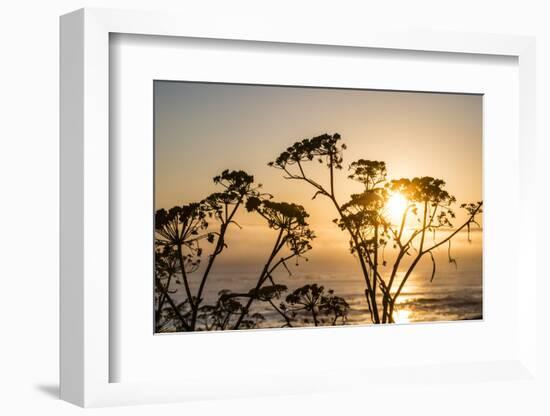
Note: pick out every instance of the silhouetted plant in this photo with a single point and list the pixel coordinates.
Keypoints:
(306, 298)
(222, 315)
(181, 230)
(293, 233)
(270, 294)
(176, 317)
(324, 307)
(166, 268)
(238, 187)
(364, 217)
(305, 305)
(335, 308)
(430, 203)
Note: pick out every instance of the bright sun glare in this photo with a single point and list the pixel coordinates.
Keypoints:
(396, 206)
(402, 316)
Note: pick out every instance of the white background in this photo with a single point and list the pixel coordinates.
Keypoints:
(29, 208)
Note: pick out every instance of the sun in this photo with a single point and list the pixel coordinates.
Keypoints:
(396, 206)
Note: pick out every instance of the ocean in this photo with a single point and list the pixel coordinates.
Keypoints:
(456, 293)
(457, 297)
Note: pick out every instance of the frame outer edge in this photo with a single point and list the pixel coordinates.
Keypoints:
(84, 157)
(71, 203)
(528, 292)
(95, 195)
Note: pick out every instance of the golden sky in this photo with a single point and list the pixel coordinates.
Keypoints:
(202, 129)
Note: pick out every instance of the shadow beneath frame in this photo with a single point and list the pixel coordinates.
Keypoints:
(51, 390)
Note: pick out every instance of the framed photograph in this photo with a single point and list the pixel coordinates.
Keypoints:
(257, 213)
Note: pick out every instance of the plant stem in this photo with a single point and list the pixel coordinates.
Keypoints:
(174, 306)
(162, 298)
(422, 252)
(263, 276)
(219, 248)
(184, 275)
(356, 243)
(314, 316)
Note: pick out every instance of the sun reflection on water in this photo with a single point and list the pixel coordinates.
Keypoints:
(402, 316)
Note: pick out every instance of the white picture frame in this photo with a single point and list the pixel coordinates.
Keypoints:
(85, 211)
